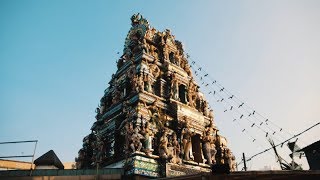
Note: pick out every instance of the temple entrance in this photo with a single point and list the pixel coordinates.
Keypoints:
(196, 148)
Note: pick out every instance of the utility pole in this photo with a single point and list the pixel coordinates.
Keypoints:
(244, 162)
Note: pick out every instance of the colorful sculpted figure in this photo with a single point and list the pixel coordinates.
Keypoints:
(187, 144)
(163, 146)
(176, 150)
(174, 90)
(148, 136)
(136, 138)
(208, 146)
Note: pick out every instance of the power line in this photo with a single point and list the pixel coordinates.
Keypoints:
(249, 114)
(284, 141)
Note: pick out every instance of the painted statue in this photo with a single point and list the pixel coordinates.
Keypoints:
(208, 146)
(148, 136)
(136, 138)
(176, 150)
(174, 90)
(186, 142)
(163, 146)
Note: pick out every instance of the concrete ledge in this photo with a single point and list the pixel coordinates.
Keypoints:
(56, 172)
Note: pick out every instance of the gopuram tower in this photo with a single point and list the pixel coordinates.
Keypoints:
(152, 120)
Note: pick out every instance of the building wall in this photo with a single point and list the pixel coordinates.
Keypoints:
(46, 167)
(14, 165)
(69, 165)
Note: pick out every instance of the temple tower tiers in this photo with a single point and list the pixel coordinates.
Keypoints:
(152, 119)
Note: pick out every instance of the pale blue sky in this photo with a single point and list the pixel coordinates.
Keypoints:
(56, 58)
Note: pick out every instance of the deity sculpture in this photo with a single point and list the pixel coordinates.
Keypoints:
(128, 133)
(166, 52)
(174, 90)
(128, 54)
(134, 82)
(163, 146)
(117, 95)
(153, 111)
(210, 114)
(155, 71)
(140, 83)
(148, 136)
(147, 82)
(208, 146)
(136, 138)
(149, 34)
(153, 52)
(175, 150)
(102, 104)
(98, 111)
(143, 45)
(187, 69)
(187, 144)
(177, 58)
(205, 108)
(192, 94)
(231, 161)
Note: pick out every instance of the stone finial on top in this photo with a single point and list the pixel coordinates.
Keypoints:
(138, 19)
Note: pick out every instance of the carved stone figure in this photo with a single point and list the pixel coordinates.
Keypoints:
(208, 146)
(174, 90)
(210, 114)
(155, 70)
(149, 34)
(192, 94)
(102, 104)
(187, 69)
(176, 150)
(98, 111)
(134, 82)
(136, 138)
(177, 58)
(232, 162)
(138, 19)
(147, 82)
(128, 133)
(205, 108)
(140, 83)
(228, 158)
(164, 45)
(127, 110)
(187, 144)
(153, 111)
(221, 143)
(166, 52)
(127, 56)
(117, 95)
(144, 46)
(148, 136)
(153, 52)
(163, 146)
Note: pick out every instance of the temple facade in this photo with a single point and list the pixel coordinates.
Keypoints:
(152, 119)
